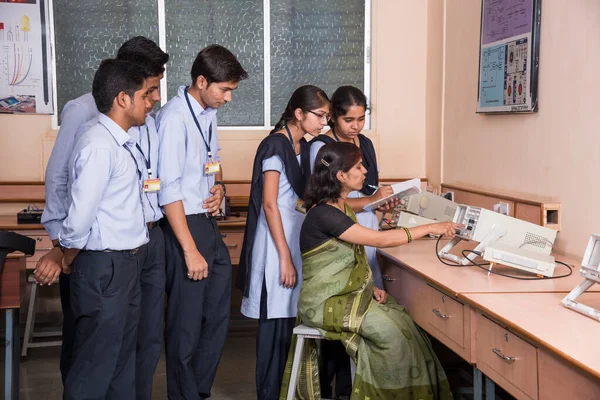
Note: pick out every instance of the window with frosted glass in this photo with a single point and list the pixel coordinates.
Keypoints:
(86, 32)
(315, 42)
(236, 24)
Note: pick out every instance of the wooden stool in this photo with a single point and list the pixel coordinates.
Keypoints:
(30, 324)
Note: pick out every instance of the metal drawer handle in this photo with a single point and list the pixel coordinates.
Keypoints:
(231, 245)
(39, 239)
(437, 312)
(223, 235)
(508, 359)
(387, 278)
(44, 248)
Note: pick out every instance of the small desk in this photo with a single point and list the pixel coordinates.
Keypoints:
(12, 283)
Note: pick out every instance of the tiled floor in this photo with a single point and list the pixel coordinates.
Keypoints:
(40, 376)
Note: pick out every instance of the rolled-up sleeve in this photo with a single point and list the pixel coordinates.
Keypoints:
(57, 171)
(171, 157)
(91, 173)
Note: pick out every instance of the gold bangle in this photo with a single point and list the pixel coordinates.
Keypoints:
(408, 235)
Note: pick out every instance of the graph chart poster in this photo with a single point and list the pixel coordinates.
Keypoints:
(25, 57)
(508, 56)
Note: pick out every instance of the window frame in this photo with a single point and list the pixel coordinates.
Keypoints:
(162, 42)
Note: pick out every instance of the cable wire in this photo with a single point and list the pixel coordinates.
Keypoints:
(482, 266)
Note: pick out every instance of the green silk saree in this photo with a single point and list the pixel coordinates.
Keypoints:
(394, 358)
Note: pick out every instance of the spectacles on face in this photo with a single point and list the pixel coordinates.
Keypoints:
(324, 116)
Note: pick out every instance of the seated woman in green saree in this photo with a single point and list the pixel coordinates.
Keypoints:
(394, 358)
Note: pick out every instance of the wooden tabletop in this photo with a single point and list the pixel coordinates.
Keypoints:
(233, 222)
(420, 257)
(542, 318)
(9, 223)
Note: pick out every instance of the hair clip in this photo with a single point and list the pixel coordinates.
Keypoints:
(325, 163)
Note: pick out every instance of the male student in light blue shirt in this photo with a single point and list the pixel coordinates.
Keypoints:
(148, 55)
(198, 263)
(101, 234)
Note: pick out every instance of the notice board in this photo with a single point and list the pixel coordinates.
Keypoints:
(509, 56)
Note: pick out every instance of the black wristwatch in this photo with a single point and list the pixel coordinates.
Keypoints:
(62, 248)
(222, 185)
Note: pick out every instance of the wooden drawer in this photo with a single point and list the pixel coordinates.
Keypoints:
(417, 296)
(233, 241)
(562, 380)
(447, 316)
(409, 290)
(507, 359)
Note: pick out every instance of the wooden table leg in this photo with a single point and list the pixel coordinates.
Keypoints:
(11, 368)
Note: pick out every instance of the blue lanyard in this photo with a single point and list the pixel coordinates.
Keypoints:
(207, 144)
(148, 160)
(338, 139)
(290, 137)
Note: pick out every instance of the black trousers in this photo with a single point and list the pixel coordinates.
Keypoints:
(334, 361)
(273, 339)
(197, 311)
(105, 299)
(151, 326)
(68, 328)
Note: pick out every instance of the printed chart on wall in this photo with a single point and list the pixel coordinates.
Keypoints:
(25, 57)
(509, 56)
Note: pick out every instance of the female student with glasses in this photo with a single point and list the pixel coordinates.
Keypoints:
(270, 273)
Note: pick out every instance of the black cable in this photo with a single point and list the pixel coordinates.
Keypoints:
(388, 224)
(482, 266)
(519, 277)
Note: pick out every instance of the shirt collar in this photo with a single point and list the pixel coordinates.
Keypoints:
(198, 110)
(115, 130)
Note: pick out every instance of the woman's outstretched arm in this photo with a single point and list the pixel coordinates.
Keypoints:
(358, 234)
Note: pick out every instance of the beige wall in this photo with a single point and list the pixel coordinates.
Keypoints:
(21, 143)
(434, 91)
(398, 102)
(555, 152)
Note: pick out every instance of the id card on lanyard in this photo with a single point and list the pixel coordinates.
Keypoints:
(151, 185)
(211, 167)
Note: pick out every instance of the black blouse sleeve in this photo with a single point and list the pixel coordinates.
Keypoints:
(321, 224)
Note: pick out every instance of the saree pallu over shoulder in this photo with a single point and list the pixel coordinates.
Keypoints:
(336, 299)
(394, 358)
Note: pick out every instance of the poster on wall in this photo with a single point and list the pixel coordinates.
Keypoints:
(509, 56)
(25, 57)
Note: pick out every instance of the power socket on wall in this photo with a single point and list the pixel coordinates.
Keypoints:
(501, 208)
